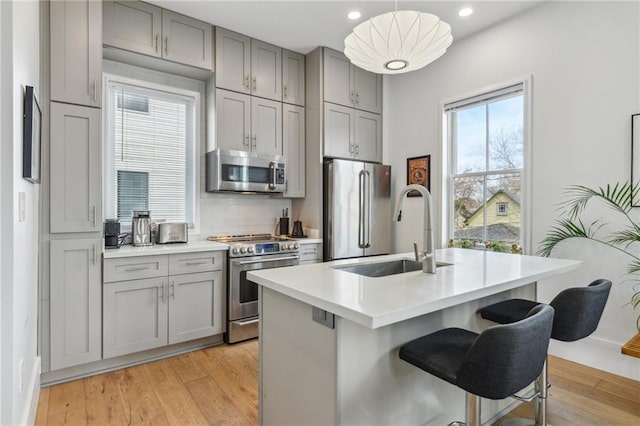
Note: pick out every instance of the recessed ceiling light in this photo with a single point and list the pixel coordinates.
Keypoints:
(466, 11)
(354, 15)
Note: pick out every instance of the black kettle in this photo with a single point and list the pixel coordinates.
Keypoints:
(297, 229)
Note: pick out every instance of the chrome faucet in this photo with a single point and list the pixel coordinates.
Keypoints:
(429, 255)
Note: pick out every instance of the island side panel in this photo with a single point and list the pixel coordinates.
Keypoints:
(375, 387)
(297, 364)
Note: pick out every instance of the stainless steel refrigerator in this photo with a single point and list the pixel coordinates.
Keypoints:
(357, 209)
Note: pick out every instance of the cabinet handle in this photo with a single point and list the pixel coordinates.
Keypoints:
(284, 90)
(246, 82)
(357, 98)
(95, 90)
(93, 215)
(156, 44)
(353, 97)
(166, 46)
(246, 138)
(161, 288)
(137, 268)
(255, 143)
(172, 288)
(255, 85)
(357, 148)
(195, 263)
(350, 148)
(93, 254)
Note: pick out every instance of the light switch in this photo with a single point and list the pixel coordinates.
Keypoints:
(22, 208)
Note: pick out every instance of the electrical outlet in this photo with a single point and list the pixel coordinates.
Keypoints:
(20, 376)
(22, 207)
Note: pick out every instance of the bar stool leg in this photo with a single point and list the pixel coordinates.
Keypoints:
(542, 383)
(472, 409)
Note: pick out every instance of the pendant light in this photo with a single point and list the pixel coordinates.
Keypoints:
(398, 42)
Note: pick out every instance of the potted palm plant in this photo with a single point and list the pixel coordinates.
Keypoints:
(620, 199)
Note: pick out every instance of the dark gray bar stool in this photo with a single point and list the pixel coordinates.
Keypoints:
(494, 364)
(577, 314)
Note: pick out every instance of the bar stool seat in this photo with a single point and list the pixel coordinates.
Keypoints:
(494, 364)
(577, 313)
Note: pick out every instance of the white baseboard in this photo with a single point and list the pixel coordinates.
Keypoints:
(598, 353)
(33, 393)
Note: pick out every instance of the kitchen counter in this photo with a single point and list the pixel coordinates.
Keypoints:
(377, 302)
(190, 247)
(339, 364)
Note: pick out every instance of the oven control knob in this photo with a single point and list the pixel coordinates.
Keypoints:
(234, 250)
(295, 246)
(243, 250)
(290, 246)
(250, 250)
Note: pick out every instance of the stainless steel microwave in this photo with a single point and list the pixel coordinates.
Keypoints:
(241, 171)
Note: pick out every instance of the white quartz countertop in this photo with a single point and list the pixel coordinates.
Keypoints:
(377, 302)
(190, 247)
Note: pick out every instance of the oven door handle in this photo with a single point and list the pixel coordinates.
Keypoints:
(249, 262)
(246, 322)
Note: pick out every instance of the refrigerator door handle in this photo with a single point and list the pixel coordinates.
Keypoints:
(361, 208)
(367, 240)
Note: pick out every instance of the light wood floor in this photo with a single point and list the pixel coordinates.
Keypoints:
(219, 386)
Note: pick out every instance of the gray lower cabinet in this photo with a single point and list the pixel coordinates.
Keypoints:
(172, 298)
(75, 321)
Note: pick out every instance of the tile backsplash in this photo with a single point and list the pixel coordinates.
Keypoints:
(233, 214)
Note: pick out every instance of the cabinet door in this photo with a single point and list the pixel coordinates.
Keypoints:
(76, 329)
(266, 70)
(367, 90)
(339, 131)
(76, 52)
(233, 61)
(135, 316)
(368, 136)
(76, 169)
(292, 78)
(187, 40)
(133, 25)
(233, 120)
(338, 78)
(293, 142)
(266, 126)
(195, 306)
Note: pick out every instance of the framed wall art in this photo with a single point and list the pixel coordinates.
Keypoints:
(419, 173)
(31, 135)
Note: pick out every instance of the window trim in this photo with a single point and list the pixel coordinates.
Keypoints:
(155, 81)
(446, 136)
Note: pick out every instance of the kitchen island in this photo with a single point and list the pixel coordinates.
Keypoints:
(329, 338)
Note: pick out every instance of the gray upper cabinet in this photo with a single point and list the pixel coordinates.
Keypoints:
(233, 61)
(368, 136)
(293, 138)
(76, 52)
(150, 30)
(75, 322)
(345, 84)
(339, 133)
(233, 120)
(133, 25)
(266, 126)
(293, 78)
(76, 169)
(248, 66)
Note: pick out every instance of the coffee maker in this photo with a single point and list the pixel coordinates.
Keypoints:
(111, 234)
(141, 228)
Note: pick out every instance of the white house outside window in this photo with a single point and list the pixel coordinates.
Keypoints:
(151, 151)
(486, 152)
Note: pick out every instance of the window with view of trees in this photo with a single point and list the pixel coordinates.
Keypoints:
(486, 143)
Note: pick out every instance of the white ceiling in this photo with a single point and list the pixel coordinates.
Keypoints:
(301, 25)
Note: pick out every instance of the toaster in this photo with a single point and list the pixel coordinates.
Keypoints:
(172, 232)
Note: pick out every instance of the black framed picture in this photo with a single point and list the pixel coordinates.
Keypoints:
(419, 173)
(31, 136)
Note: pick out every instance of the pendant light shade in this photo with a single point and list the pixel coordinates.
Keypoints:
(398, 42)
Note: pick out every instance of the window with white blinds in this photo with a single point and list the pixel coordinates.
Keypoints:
(151, 149)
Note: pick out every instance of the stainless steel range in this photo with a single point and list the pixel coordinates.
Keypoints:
(250, 253)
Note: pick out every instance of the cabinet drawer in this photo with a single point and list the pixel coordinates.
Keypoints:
(133, 268)
(310, 252)
(188, 263)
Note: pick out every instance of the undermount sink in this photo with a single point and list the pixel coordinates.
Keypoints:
(383, 269)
